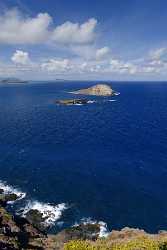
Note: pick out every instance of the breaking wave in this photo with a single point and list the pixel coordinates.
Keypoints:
(50, 213)
(91, 101)
(104, 232)
(12, 190)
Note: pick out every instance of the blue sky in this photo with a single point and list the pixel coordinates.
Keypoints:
(109, 39)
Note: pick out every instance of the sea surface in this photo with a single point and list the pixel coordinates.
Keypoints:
(104, 161)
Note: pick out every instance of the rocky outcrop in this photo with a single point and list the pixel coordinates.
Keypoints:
(5, 198)
(80, 232)
(36, 219)
(98, 90)
(16, 232)
(72, 101)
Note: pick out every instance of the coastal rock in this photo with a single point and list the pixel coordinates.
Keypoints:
(7, 243)
(35, 218)
(17, 233)
(80, 232)
(1, 191)
(5, 198)
(98, 90)
(7, 224)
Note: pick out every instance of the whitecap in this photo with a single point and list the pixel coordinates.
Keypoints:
(112, 100)
(91, 101)
(50, 213)
(12, 190)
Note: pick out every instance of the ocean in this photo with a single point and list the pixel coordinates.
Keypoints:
(104, 161)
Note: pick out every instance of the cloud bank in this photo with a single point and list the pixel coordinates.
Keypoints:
(16, 28)
(75, 49)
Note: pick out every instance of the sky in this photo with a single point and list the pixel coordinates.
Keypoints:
(83, 40)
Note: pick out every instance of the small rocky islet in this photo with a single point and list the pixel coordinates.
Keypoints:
(96, 90)
(28, 232)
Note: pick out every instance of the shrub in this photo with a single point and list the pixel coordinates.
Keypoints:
(78, 245)
(141, 243)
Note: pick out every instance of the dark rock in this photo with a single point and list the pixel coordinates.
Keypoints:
(81, 232)
(7, 224)
(5, 245)
(17, 233)
(35, 218)
(32, 231)
(72, 101)
(1, 191)
(5, 198)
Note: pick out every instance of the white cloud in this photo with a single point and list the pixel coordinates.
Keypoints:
(57, 65)
(102, 53)
(158, 53)
(15, 28)
(75, 33)
(123, 67)
(20, 57)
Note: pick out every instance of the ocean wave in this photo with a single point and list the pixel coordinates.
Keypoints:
(91, 101)
(50, 213)
(112, 100)
(12, 190)
(104, 232)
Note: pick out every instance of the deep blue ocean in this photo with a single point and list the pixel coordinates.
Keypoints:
(106, 160)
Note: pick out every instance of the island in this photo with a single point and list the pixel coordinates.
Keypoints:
(72, 101)
(97, 90)
(12, 80)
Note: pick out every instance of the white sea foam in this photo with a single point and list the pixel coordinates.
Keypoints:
(104, 232)
(112, 100)
(91, 101)
(12, 190)
(50, 213)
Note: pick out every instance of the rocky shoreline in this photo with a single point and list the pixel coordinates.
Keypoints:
(29, 232)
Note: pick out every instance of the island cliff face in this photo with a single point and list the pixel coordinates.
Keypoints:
(98, 90)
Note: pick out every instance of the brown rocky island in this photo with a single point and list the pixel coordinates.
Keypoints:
(97, 90)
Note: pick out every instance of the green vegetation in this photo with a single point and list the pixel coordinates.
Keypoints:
(139, 243)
